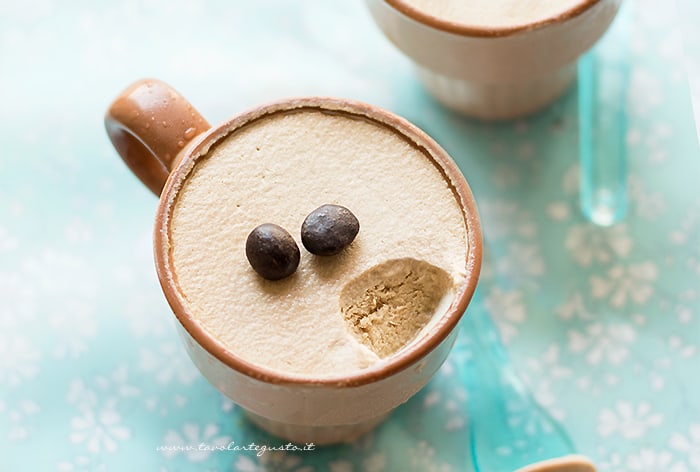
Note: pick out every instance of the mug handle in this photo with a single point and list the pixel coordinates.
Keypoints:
(149, 124)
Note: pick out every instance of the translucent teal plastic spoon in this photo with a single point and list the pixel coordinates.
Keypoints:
(509, 430)
(603, 80)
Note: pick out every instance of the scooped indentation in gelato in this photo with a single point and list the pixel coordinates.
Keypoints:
(386, 306)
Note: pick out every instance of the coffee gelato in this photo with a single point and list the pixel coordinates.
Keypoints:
(335, 314)
(494, 13)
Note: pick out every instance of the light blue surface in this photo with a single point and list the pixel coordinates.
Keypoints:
(603, 323)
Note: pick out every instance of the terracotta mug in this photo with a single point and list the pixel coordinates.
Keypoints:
(494, 72)
(160, 136)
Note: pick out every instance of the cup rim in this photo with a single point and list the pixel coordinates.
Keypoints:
(464, 29)
(405, 357)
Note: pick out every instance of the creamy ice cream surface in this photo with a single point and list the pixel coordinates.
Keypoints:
(494, 13)
(336, 314)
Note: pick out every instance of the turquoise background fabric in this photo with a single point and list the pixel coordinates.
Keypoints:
(604, 324)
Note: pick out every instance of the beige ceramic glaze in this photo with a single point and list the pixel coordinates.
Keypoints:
(494, 73)
(570, 463)
(299, 408)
